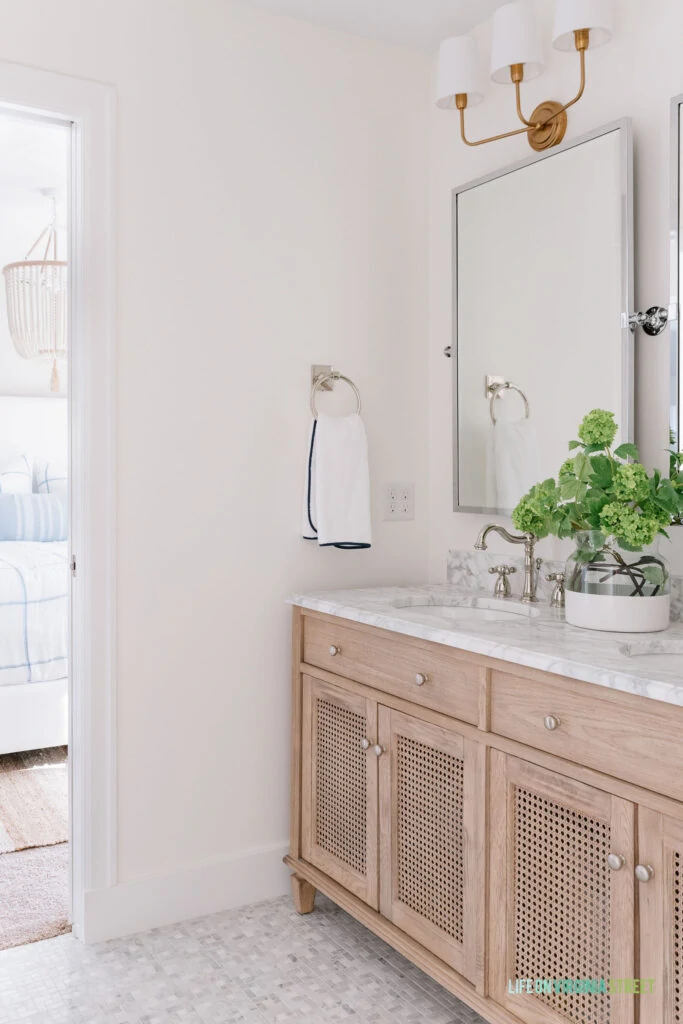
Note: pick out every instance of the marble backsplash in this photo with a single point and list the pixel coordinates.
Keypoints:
(469, 570)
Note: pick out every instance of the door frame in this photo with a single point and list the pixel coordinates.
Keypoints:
(90, 108)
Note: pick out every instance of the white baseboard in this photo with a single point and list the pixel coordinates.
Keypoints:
(235, 881)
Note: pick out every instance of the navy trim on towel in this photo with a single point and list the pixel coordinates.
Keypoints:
(345, 545)
(308, 500)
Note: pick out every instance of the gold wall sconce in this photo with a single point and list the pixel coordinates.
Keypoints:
(516, 57)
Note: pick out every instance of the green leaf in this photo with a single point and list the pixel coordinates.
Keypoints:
(602, 471)
(573, 490)
(627, 451)
(582, 467)
(591, 449)
(574, 444)
(582, 556)
(654, 574)
(668, 498)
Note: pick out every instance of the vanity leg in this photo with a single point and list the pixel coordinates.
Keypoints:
(303, 894)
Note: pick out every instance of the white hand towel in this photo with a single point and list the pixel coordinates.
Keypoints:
(516, 460)
(337, 491)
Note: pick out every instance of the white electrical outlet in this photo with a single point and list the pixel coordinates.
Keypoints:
(399, 502)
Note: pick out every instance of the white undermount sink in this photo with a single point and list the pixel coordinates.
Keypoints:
(465, 609)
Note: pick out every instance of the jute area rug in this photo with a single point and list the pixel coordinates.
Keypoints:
(34, 855)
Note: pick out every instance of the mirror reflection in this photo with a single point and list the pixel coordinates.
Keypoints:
(542, 286)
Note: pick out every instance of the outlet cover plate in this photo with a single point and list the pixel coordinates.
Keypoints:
(399, 502)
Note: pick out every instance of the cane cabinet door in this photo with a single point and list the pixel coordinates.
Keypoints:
(432, 802)
(339, 786)
(659, 891)
(561, 896)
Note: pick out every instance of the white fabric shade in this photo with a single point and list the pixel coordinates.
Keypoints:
(571, 15)
(516, 40)
(459, 72)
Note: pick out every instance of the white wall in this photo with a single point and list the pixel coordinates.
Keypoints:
(635, 75)
(272, 214)
(37, 427)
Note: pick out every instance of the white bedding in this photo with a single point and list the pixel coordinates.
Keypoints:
(34, 595)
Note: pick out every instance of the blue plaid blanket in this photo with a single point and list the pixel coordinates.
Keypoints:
(34, 601)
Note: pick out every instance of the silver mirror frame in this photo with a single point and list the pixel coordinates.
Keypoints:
(674, 274)
(627, 283)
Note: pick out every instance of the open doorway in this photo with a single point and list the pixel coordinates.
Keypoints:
(35, 575)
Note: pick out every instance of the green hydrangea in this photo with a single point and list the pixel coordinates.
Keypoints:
(637, 529)
(656, 512)
(529, 518)
(597, 489)
(598, 428)
(631, 482)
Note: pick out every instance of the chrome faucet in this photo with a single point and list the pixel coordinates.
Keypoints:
(531, 566)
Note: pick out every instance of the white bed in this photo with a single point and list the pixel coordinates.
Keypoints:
(34, 596)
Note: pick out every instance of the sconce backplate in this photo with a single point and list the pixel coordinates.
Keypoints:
(552, 131)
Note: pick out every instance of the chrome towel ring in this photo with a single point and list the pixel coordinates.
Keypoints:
(327, 378)
(496, 393)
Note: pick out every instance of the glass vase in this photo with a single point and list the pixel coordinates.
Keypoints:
(610, 588)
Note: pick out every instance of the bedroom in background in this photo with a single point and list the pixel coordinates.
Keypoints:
(34, 553)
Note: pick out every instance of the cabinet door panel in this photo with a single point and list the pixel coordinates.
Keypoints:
(431, 884)
(339, 787)
(660, 906)
(558, 912)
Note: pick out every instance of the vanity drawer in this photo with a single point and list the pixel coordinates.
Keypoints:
(396, 665)
(632, 740)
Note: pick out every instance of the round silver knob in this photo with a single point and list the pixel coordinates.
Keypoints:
(334, 650)
(644, 872)
(365, 743)
(551, 722)
(378, 750)
(615, 862)
(421, 679)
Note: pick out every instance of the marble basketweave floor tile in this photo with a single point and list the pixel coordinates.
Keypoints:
(261, 964)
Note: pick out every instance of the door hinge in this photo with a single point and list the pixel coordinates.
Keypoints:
(73, 565)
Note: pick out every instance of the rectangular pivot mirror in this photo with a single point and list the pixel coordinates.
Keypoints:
(676, 265)
(543, 287)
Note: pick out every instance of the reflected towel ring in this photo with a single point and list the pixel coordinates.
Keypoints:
(507, 387)
(324, 379)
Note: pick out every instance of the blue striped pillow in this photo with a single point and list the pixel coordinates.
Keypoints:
(34, 517)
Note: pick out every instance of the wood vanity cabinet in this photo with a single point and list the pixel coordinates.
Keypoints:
(660, 902)
(558, 909)
(389, 811)
(340, 799)
(486, 820)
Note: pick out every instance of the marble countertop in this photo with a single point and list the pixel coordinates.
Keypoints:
(537, 637)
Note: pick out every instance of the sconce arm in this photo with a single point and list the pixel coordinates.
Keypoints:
(582, 55)
(582, 87)
(493, 138)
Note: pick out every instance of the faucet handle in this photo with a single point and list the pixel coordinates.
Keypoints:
(502, 587)
(557, 598)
